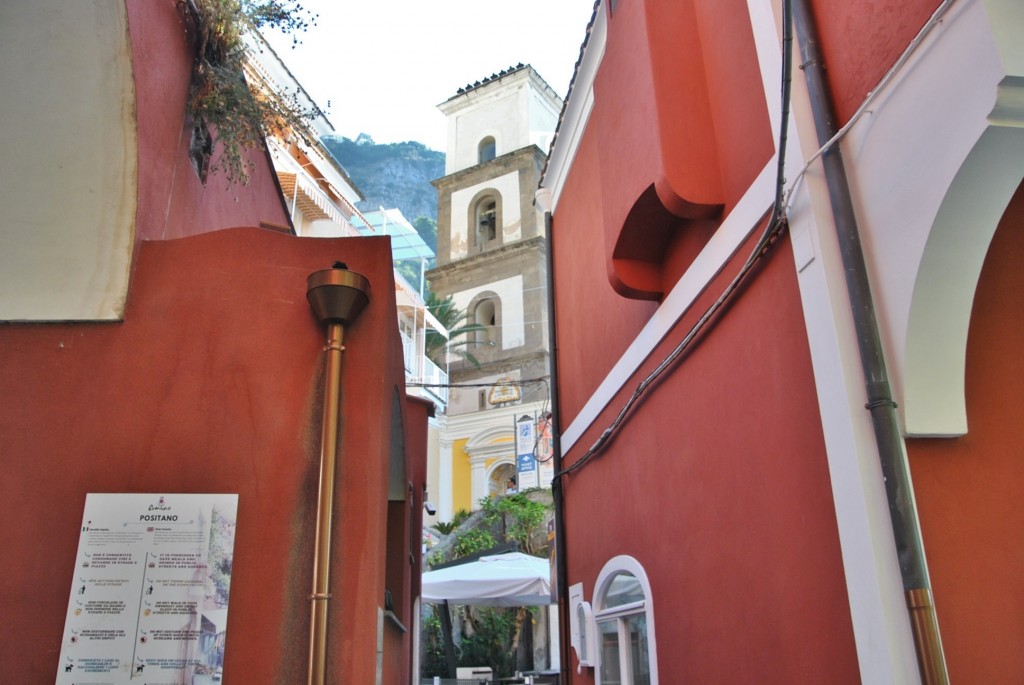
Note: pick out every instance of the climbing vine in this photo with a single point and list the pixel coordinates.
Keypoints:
(228, 111)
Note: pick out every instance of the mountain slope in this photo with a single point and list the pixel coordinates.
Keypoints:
(391, 175)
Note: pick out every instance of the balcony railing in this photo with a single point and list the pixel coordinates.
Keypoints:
(435, 381)
(304, 195)
(420, 370)
(409, 353)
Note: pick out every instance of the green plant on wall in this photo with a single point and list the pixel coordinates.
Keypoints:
(494, 637)
(472, 541)
(520, 516)
(228, 112)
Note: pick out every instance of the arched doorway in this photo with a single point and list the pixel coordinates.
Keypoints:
(968, 488)
(502, 480)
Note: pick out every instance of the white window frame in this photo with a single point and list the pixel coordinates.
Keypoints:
(614, 567)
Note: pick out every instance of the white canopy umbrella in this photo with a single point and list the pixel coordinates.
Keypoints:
(502, 580)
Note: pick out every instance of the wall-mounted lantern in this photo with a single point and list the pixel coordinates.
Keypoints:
(337, 296)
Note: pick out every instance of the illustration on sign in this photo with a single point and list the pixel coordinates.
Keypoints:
(545, 450)
(149, 597)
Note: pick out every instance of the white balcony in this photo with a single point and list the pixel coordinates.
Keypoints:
(307, 201)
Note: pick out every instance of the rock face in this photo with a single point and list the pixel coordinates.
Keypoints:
(391, 175)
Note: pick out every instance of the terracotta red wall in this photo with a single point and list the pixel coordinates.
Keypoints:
(172, 203)
(651, 121)
(635, 91)
(682, 129)
(718, 484)
(587, 353)
(969, 489)
(742, 133)
(212, 383)
(861, 40)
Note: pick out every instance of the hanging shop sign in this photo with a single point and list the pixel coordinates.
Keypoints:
(149, 596)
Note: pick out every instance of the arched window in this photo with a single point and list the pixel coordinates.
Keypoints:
(624, 618)
(485, 314)
(486, 221)
(486, 150)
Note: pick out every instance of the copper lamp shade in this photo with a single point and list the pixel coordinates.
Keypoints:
(337, 295)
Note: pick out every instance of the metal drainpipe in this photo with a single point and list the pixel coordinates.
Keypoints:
(895, 470)
(337, 296)
(561, 568)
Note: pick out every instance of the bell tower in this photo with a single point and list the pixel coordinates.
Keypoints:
(491, 259)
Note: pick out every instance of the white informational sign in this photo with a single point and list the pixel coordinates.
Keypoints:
(526, 461)
(149, 598)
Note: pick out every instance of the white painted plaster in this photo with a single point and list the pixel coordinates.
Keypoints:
(881, 629)
(881, 626)
(1006, 17)
(445, 508)
(512, 326)
(542, 120)
(495, 444)
(69, 184)
(483, 113)
(507, 186)
(489, 435)
(521, 107)
(901, 156)
(555, 635)
(937, 325)
(930, 178)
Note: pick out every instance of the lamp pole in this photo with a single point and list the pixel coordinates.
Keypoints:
(337, 297)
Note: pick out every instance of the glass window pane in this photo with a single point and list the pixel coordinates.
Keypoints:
(624, 589)
(611, 671)
(638, 654)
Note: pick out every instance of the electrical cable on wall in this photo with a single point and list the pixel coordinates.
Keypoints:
(545, 412)
(775, 226)
(897, 66)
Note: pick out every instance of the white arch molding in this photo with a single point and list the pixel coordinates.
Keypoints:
(936, 348)
(624, 563)
(970, 210)
(919, 140)
(495, 443)
(932, 166)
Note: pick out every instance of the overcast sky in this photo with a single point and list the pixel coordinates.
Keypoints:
(385, 65)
